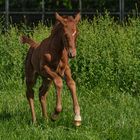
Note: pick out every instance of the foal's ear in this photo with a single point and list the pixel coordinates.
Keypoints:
(77, 18)
(60, 19)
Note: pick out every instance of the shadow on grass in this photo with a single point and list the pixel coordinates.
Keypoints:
(5, 116)
(24, 117)
(63, 123)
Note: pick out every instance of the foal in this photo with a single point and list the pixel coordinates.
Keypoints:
(49, 59)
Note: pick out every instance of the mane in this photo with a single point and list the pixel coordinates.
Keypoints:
(56, 28)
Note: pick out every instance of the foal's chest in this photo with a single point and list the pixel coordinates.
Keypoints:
(52, 60)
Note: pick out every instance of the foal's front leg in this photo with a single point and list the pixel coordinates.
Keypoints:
(71, 85)
(58, 85)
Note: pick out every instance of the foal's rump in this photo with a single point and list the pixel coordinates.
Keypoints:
(32, 57)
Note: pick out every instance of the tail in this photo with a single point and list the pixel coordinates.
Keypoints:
(29, 41)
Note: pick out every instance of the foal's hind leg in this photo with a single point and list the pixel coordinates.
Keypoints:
(31, 77)
(71, 85)
(42, 95)
(30, 81)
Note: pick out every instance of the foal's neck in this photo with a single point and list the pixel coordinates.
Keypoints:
(57, 38)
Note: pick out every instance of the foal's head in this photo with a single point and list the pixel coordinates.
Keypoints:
(70, 32)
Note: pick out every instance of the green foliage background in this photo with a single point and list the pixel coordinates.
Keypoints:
(111, 5)
(108, 53)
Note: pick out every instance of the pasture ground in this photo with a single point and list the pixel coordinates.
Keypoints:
(107, 115)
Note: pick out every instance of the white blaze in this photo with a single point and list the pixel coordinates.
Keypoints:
(74, 33)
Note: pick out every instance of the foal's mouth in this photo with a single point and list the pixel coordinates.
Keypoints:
(71, 55)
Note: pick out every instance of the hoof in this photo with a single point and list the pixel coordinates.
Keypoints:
(77, 120)
(34, 123)
(77, 123)
(54, 117)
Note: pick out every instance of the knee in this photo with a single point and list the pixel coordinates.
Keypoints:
(29, 93)
(71, 83)
(29, 83)
(42, 98)
(58, 82)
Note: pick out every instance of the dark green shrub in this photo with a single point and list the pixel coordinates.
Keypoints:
(108, 54)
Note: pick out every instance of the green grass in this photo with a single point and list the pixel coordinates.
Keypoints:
(107, 74)
(106, 114)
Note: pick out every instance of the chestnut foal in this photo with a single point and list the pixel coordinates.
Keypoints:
(49, 59)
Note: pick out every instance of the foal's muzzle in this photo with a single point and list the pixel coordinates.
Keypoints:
(72, 53)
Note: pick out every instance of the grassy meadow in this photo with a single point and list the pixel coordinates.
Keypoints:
(107, 73)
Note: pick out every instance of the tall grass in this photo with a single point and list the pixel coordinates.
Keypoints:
(107, 73)
(108, 53)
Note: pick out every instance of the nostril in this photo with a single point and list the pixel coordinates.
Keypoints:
(70, 55)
